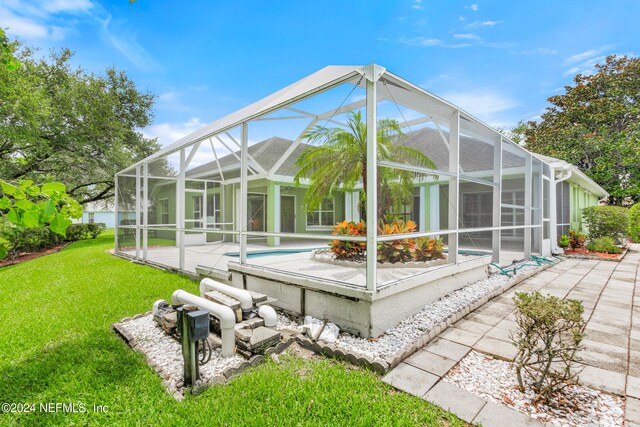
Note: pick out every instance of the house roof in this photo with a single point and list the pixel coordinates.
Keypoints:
(475, 155)
(577, 176)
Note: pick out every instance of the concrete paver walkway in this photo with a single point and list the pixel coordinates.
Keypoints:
(611, 355)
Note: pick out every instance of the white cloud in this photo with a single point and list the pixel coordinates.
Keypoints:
(70, 6)
(416, 6)
(40, 20)
(583, 56)
(486, 104)
(22, 27)
(168, 133)
(427, 42)
(420, 41)
(466, 36)
(481, 24)
(473, 7)
(127, 45)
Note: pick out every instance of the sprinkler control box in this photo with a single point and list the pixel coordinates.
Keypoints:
(197, 325)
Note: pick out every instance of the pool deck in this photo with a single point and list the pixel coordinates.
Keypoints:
(214, 256)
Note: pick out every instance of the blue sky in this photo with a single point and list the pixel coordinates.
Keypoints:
(204, 59)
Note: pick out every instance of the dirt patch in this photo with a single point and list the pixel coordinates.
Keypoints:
(27, 256)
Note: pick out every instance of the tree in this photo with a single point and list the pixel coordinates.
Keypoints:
(26, 205)
(339, 162)
(70, 125)
(7, 60)
(595, 126)
(516, 133)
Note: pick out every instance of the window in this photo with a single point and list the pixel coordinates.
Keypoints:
(197, 211)
(92, 217)
(410, 211)
(163, 211)
(213, 211)
(324, 216)
(512, 216)
(477, 209)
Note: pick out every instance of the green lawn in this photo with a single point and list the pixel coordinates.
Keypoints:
(56, 346)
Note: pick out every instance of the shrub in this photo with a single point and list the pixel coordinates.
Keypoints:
(577, 239)
(95, 229)
(84, 231)
(401, 250)
(606, 221)
(548, 338)
(605, 245)
(37, 239)
(349, 251)
(428, 249)
(564, 241)
(634, 223)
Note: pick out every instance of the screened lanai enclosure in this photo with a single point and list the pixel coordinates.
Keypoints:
(232, 202)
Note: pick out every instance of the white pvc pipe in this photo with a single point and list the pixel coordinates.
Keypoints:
(225, 314)
(269, 315)
(246, 302)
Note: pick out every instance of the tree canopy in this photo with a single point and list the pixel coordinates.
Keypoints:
(595, 125)
(339, 162)
(61, 123)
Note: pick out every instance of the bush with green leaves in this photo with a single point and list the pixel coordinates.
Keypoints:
(577, 239)
(606, 221)
(21, 240)
(548, 338)
(564, 241)
(634, 223)
(26, 205)
(605, 245)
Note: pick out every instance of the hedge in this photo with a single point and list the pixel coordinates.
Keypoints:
(606, 221)
(634, 223)
(41, 238)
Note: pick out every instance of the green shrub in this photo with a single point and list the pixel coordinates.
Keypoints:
(564, 241)
(95, 229)
(606, 221)
(349, 251)
(605, 245)
(400, 250)
(634, 223)
(577, 239)
(548, 337)
(40, 238)
(428, 249)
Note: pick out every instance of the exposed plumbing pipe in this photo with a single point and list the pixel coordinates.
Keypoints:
(225, 314)
(246, 301)
(269, 315)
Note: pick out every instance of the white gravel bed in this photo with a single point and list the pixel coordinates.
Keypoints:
(495, 380)
(165, 352)
(410, 329)
(286, 324)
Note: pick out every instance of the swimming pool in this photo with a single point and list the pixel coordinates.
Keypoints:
(274, 252)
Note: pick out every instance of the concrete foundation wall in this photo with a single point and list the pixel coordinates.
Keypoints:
(356, 310)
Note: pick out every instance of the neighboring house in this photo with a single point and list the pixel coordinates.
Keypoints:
(99, 212)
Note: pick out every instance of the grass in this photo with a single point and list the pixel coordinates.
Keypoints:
(57, 347)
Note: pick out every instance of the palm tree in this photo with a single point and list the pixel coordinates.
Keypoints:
(339, 161)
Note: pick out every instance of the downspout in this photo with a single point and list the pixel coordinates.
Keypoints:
(225, 314)
(553, 233)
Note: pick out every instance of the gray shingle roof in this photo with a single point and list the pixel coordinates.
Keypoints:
(475, 155)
